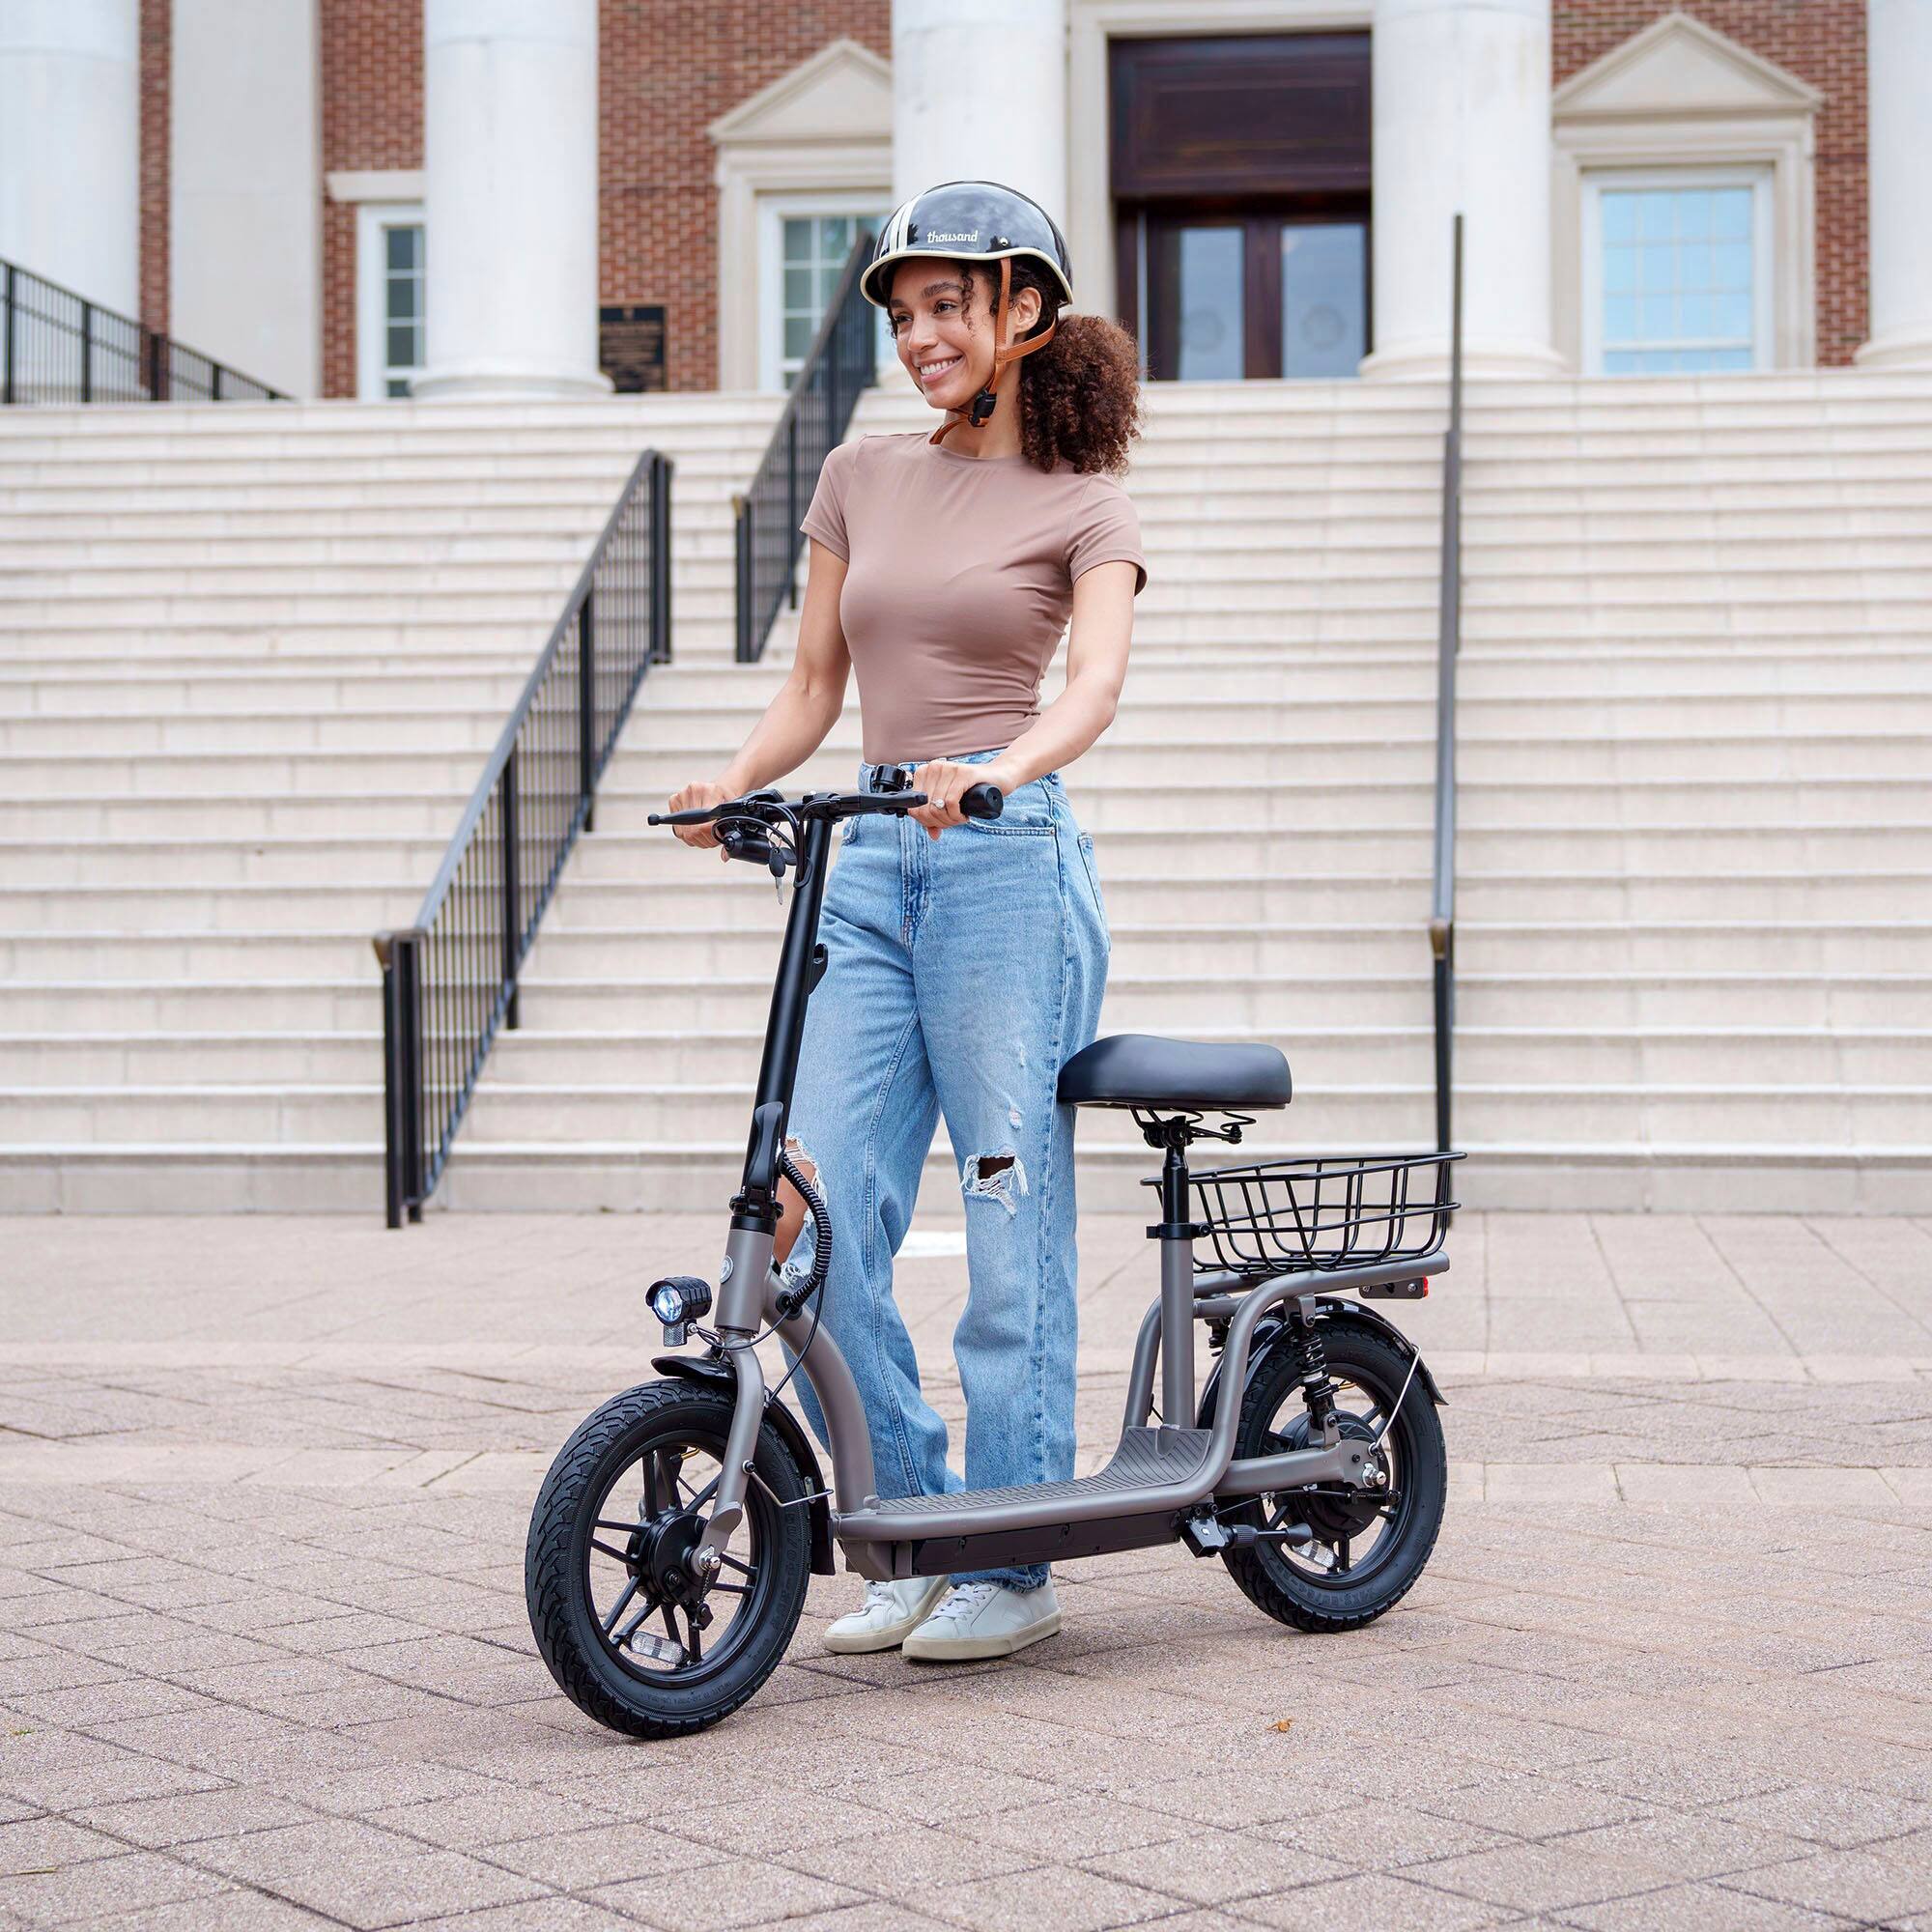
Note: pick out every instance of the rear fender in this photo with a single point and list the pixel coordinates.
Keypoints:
(1271, 1333)
(791, 1431)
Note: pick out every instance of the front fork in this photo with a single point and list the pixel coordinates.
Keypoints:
(741, 1304)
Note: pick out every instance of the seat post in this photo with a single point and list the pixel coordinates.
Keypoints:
(1176, 1233)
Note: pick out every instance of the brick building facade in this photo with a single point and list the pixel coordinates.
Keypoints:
(1820, 40)
(668, 69)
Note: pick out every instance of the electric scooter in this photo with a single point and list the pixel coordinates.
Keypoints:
(672, 1542)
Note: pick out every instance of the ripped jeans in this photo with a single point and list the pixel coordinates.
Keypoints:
(963, 971)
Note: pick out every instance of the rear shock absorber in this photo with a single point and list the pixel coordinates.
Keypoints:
(1311, 1364)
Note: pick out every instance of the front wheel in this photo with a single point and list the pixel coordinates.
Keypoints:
(631, 1636)
(1368, 1547)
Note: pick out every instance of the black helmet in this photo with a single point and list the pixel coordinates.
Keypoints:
(975, 221)
(969, 221)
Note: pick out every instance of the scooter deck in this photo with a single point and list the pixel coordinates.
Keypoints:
(1151, 1471)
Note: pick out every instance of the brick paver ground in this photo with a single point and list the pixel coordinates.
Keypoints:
(264, 1661)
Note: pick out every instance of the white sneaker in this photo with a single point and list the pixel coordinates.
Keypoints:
(984, 1620)
(889, 1613)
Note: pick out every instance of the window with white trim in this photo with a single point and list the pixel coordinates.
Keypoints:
(1677, 271)
(806, 245)
(391, 344)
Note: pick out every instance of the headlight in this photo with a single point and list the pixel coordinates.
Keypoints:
(680, 1300)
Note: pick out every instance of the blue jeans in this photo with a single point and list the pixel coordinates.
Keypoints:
(963, 971)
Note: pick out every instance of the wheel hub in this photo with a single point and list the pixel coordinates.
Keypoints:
(1333, 1516)
(659, 1550)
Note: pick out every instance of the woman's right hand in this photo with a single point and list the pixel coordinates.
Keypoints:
(693, 796)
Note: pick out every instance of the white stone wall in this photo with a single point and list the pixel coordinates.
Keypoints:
(244, 258)
(71, 143)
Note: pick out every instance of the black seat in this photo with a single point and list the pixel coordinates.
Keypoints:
(1141, 1069)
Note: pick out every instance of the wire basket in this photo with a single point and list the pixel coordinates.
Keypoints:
(1326, 1211)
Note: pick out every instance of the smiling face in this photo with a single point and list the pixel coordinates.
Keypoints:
(946, 350)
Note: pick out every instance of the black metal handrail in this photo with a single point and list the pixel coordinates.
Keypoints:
(1448, 645)
(58, 347)
(842, 363)
(449, 982)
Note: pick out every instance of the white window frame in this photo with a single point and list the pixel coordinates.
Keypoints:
(773, 210)
(1763, 265)
(373, 221)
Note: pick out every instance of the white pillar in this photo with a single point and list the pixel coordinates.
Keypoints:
(979, 94)
(245, 189)
(71, 145)
(1461, 123)
(510, 198)
(1899, 160)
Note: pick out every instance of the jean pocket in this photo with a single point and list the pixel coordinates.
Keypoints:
(1027, 811)
(1092, 864)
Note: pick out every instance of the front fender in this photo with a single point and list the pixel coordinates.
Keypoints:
(791, 1431)
(1270, 1334)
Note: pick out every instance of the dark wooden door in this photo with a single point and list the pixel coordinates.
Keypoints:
(1241, 177)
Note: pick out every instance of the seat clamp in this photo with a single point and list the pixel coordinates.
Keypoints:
(1177, 1231)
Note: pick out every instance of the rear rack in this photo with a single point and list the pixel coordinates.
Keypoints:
(1321, 1211)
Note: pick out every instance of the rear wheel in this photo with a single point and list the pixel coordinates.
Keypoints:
(1369, 1546)
(630, 1635)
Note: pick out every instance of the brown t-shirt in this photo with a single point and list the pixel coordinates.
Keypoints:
(958, 584)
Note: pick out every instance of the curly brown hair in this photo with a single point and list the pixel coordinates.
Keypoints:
(1080, 396)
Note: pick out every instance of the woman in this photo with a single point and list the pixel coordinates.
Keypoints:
(965, 968)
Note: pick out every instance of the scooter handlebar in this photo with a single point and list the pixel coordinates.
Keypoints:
(979, 801)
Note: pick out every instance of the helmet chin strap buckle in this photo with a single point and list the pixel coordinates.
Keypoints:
(982, 407)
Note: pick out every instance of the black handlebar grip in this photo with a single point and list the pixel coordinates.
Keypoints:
(983, 801)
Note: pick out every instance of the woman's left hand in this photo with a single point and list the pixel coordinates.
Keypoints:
(945, 783)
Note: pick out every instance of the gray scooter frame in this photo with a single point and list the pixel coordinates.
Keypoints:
(1159, 1472)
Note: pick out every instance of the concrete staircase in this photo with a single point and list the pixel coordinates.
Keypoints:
(251, 661)
(239, 715)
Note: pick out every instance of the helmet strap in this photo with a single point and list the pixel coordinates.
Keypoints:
(980, 410)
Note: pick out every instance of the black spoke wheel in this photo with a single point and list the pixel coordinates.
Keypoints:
(1368, 1547)
(631, 1637)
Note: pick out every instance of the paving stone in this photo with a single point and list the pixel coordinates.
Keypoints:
(1064, 1897)
(716, 1897)
(1370, 1903)
(1857, 1884)
(1698, 1908)
(96, 1890)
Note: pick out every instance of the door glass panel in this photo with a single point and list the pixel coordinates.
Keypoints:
(1212, 313)
(1323, 311)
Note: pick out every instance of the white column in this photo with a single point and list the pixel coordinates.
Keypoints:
(510, 198)
(1899, 160)
(1462, 122)
(979, 94)
(245, 189)
(71, 145)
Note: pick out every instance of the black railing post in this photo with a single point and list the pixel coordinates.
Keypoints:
(7, 360)
(214, 385)
(586, 706)
(661, 469)
(410, 1002)
(742, 508)
(512, 903)
(402, 1074)
(87, 351)
(791, 502)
